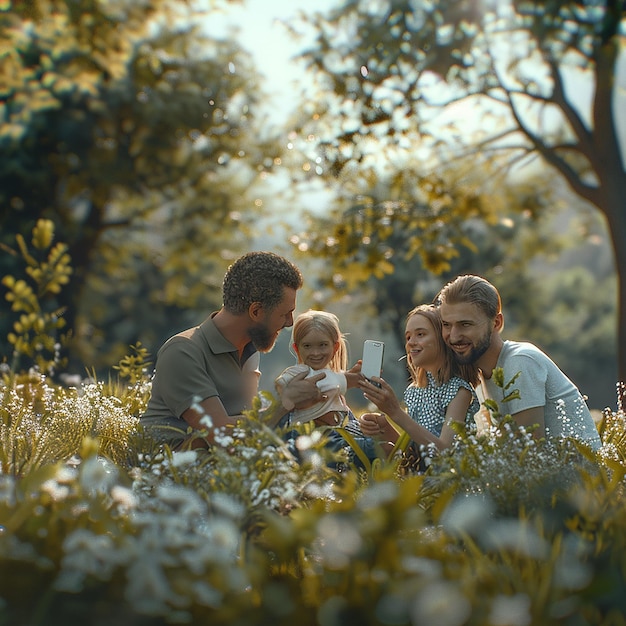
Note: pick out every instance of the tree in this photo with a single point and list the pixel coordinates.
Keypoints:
(136, 134)
(501, 81)
(553, 268)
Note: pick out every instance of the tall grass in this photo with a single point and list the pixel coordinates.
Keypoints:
(100, 525)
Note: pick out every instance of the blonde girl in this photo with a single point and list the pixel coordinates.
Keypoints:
(320, 346)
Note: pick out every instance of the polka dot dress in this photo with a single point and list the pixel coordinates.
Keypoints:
(427, 405)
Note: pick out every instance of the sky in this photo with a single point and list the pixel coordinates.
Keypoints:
(262, 34)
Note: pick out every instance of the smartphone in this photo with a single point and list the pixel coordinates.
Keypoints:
(372, 364)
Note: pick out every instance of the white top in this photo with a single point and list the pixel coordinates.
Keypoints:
(542, 383)
(333, 385)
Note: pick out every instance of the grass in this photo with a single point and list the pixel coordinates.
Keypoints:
(100, 525)
(498, 530)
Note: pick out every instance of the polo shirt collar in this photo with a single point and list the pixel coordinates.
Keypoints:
(219, 344)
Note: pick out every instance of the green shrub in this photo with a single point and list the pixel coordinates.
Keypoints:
(99, 524)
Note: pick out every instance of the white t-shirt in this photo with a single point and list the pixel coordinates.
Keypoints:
(333, 385)
(542, 383)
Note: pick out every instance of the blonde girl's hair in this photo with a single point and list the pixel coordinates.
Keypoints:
(449, 366)
(327, 323)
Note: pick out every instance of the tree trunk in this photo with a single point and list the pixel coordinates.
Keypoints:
(615, 211)
(607, 160)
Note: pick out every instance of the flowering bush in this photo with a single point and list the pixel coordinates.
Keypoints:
(499, 529)
(99, 524)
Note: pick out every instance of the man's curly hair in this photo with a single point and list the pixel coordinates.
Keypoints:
(258, 277)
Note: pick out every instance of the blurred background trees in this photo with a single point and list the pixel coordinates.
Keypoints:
(428, 115)
(428, 126)
(136, 134)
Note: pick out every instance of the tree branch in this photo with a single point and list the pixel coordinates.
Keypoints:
(569, 173)
(585, 138)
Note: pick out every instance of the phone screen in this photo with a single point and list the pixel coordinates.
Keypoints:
(372, 364)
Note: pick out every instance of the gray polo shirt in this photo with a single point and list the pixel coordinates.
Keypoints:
(193, 365)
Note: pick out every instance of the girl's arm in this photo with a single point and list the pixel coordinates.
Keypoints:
(456, 412)
(385, 399)
(376, 425)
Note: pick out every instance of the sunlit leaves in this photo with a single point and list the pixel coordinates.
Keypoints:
(134, 366)
(139, 134)
(510, 56)
(35, 332)
(372, 239)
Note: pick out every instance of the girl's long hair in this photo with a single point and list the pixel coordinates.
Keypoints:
(449, 367)
(327, 323)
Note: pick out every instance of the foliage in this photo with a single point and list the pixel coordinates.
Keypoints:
(399, 81)
(138, 135)
(388, 67)
(101, 525)
(35, 333)
(432, 224)
(360, 242)
(499, 529)
(43, 423)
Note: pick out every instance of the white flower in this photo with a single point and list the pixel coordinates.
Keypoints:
(123, 497)
(440, 603)
(516, 536)
(187, 501)
(227, 505)
(223, 439)
(510, 610)
(148, 588)
(180, 459)
(339, 541)
(97, 475)
(378, 494)
(87, 554)
(57, 492)
(206, 594)
(7, 491)
(467, 514)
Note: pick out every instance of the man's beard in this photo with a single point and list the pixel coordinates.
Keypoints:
(262, 338)
(476, 352)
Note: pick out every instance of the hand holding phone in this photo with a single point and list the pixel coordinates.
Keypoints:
(372, 363)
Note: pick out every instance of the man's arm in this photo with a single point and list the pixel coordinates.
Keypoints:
(214, 409)
(302, 392)
(531, 417)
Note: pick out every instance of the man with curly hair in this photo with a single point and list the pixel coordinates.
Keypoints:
(206, 376)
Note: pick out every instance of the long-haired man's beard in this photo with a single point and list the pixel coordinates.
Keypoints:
(262, 338)
(476, 352)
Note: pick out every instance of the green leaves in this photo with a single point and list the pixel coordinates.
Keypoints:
(124, 123)
(36, 331)
(134, 366)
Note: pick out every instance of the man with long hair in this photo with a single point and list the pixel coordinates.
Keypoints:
(472, 323)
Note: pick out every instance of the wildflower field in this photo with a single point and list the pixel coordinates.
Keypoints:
(100, 526)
